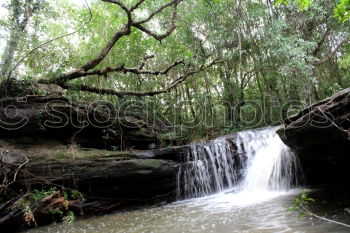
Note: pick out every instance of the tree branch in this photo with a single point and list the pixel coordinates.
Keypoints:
(306, 211)
(156, 36)
(331, 54)
(122, 6)
(138, 70)
(123, 31)
(320, 43)
(159, 10)
(145, 60)
(172, 85)
(136, 5)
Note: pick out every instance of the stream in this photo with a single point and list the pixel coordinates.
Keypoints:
(217, 192)
(224, 212)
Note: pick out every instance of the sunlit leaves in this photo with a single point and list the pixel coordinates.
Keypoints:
(342, 11)
(302, 4)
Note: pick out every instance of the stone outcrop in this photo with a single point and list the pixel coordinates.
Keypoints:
(109, 180)
(129, 174)
(96, 125)
(320, 136)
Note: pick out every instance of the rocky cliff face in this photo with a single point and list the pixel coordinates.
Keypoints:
(320, 136)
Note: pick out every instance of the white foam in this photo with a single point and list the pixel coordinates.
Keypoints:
(269, 169)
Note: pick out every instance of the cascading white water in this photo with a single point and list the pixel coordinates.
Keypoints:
(261, 163)
(271, 165)
(209, 169)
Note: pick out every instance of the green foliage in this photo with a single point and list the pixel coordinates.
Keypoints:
(57, 211)
(303, 4)
(342, 11)
(70, 217)
(300, 202)
(38, 195)
(15, 87)
(73, 194)
(64, 215)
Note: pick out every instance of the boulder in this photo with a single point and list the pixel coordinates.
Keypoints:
(101, 173)
(319, 135)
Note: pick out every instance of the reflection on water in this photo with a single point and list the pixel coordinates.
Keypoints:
(224, 212)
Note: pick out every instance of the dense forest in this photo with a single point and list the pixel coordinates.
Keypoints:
(209, 67)
(108, 106)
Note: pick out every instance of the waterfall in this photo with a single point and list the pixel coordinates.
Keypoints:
(210, 168)
(252, 161)
(271, 165)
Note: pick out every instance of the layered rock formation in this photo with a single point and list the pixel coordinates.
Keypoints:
(109, 180)
(320, 136)
(96, 125)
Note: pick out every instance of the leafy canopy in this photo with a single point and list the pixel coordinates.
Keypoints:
(341, 10)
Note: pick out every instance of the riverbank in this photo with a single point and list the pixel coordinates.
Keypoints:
(53, 182)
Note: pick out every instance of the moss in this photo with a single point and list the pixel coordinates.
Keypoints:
(15, 87)
(144, 132)
(67, 153)
(154, 163)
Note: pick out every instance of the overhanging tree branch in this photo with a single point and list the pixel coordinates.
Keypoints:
(123, 31)
(144, 61)
(88, 68)
(320, 43)
(136, 5)
(159, 10)
(138, 70)
(122, 93)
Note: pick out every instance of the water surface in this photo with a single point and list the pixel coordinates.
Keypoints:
(224, 212)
